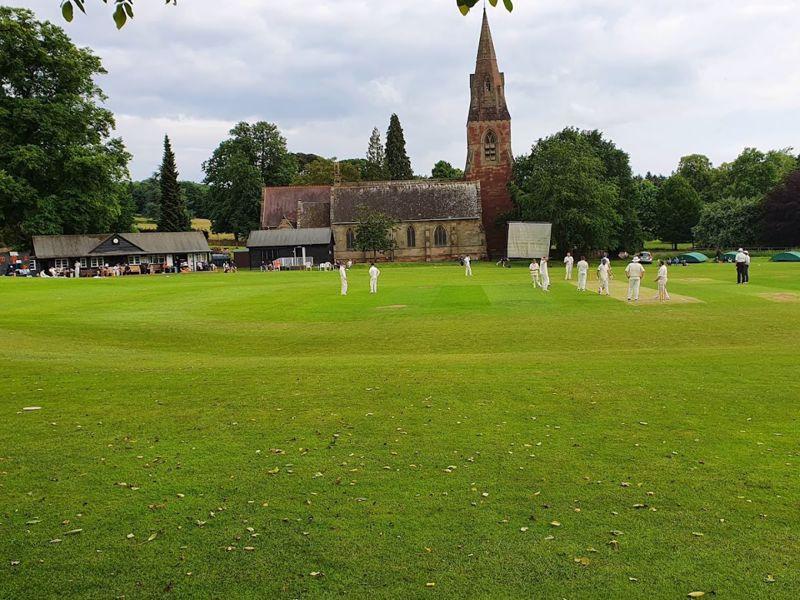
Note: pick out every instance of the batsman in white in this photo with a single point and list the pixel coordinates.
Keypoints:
(468, 266)
(661, 280)
(534, 269)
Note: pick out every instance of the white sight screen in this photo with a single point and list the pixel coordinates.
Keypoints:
(528, 240)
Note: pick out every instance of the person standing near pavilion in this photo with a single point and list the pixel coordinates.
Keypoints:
(343, 278)
(634, 272)
(534, 269)
(77, 272)
(468, 266)
(374, 273)
(545, 274)
(661, 280)
(740, 260)
(568, 262)
(583, 273)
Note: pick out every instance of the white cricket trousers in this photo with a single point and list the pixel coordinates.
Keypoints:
(545, 282)
(568, 276)
(469, 271)
(373, 285)
(581, 281)
(662, 289)
(344, 287)
(633, 287)
(604, 286)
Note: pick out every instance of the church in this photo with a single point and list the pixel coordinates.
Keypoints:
(435, 220)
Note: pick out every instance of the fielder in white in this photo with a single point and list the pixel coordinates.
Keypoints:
(77, 272)
(634, 272)
(583, 273)
(534, 269)
(661, 280)
(343, 277)
(568, 262)
(603, 276)
(468, 266)
(374, 273)
(545, 274)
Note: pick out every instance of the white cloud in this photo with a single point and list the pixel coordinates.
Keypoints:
(660, 78)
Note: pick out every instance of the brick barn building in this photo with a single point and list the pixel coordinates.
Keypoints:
(437, 220)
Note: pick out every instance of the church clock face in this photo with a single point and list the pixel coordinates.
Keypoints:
(115, 241)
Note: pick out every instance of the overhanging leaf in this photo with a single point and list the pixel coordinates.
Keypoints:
(67, 12)
(119, 16)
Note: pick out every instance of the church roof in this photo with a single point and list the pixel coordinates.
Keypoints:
(407, 200)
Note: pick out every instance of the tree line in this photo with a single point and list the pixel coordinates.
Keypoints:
(62, 171)
(583, 184)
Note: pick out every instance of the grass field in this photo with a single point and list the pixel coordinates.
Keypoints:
(257, 435)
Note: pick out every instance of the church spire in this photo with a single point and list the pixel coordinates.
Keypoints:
(487, 84)
(486, 45)
(489, 156)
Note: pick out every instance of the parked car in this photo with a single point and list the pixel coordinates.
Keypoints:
(646, 258)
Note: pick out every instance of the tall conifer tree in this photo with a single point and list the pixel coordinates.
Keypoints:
(375, 169)
(174, 216)
(398, 164)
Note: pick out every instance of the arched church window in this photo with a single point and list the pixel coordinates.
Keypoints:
(490, 146)
(351, 239)
(440, 236)
(411, 237)
(487, 83)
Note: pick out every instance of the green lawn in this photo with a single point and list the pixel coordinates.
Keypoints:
(261, 436)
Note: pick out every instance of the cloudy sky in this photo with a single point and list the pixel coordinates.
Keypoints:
(662, 78)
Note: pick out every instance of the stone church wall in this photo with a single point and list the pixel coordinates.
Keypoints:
(463, 237)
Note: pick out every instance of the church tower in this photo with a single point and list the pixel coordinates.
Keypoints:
(489, 157)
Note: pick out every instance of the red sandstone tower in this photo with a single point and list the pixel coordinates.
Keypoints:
(489, 157)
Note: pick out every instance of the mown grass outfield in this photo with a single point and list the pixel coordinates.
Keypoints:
(257, 435)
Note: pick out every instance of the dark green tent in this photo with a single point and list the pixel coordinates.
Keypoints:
(793, 256)
(693, 257)
(729, 256)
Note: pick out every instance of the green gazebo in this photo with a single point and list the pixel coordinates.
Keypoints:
(693, 257)
(791, 256)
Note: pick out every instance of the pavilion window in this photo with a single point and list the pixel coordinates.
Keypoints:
(97, 261)
(62, 263)
(134, 260)
(440, 236)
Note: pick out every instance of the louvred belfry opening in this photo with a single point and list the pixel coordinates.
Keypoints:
(489, 156)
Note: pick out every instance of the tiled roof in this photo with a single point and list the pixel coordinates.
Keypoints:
(76, 246)
(407, 200)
